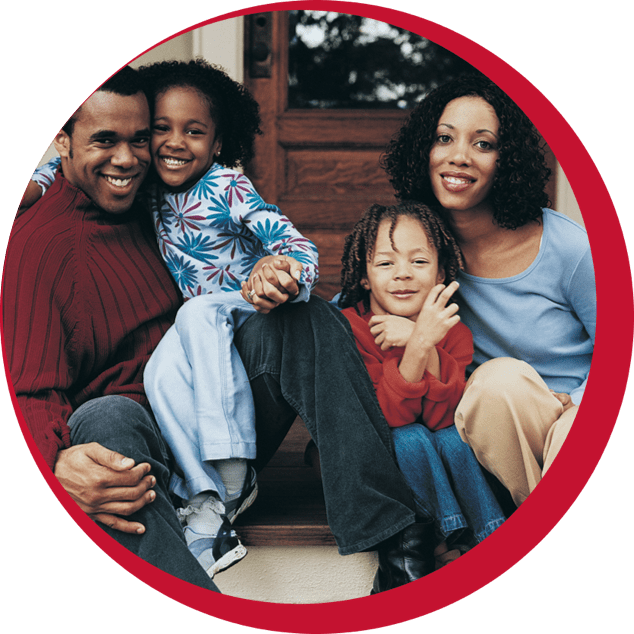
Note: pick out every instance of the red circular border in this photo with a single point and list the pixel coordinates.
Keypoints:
(568, 475)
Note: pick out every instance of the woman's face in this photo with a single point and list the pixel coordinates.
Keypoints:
(463, 158)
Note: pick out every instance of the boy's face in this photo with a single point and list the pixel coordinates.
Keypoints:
(400, 277)
(108, 154)
(184, 142)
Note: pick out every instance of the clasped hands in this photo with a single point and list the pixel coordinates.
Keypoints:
(274, 280)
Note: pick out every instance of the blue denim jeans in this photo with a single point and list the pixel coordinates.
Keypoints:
(302, 359)
(448, 483)
(120, 424)
(200, 393)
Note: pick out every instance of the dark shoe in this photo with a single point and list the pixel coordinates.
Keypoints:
(405, 557)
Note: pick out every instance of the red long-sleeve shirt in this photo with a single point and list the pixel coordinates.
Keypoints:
(86, 299)
(434, 400)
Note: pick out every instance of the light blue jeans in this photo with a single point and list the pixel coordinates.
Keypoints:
(199, 391)
(448, 483)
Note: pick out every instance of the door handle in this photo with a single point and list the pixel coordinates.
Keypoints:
(260, 44)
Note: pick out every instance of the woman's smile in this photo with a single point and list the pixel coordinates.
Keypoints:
(463, 159)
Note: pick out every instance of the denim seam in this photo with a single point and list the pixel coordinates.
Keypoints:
(488, 529)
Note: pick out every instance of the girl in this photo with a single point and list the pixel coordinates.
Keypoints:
(231, 255)
(399, 265)
(527, 290)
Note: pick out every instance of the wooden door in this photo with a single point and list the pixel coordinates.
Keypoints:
(320, 165)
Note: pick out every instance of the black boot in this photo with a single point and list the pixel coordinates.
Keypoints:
(405, 557)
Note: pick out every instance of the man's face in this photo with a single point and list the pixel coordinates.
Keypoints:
(108, 154)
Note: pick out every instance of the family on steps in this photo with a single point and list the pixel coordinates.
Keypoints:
(161, 331)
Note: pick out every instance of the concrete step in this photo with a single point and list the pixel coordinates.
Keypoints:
(292, 555)
(299, 574)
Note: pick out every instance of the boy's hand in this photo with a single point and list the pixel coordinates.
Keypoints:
(436, 319)
(391, 331)
(564, 399)
(273, 281)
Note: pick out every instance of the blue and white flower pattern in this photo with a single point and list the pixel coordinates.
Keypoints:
(212, 235)
(45, 175)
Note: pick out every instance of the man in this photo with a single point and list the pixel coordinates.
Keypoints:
(86, 300)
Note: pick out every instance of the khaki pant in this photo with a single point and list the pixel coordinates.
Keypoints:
(513, 423)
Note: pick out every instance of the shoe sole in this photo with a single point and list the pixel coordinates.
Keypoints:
(228, 560)
(246, 504)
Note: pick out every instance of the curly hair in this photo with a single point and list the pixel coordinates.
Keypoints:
(359, 247)
(518, 192)
(235, 113)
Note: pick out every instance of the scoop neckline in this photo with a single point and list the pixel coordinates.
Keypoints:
(527, 270)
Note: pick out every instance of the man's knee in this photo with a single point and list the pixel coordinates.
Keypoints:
(107, 417)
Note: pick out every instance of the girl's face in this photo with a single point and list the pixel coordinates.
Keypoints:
(184, 141)
(399, 277)
(463, 158)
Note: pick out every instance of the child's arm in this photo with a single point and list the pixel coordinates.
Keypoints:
(434, 322)
(278, 236)
(391, 331)
(41, 180)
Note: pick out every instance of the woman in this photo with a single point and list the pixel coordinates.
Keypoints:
(527, 291)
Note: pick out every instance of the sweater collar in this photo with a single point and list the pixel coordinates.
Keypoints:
(81, 202)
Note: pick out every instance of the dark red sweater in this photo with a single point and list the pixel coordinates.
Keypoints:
(431, 399)
(86, 299)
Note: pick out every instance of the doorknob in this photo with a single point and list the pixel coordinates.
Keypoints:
(260, 44)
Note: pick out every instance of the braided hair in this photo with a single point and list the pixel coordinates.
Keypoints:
(517, 195)
(359, 247)
(235, 113)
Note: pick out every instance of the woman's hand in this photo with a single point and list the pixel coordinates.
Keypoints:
(564, 399)
(390, 331)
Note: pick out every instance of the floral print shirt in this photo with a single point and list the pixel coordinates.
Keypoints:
(212, 235)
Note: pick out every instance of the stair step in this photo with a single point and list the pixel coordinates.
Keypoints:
(289, 509)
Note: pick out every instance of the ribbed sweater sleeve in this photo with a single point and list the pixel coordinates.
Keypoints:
(431, 400)
(86, 298)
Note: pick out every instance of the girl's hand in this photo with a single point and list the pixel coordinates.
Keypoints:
(32, 194)
(564, 399)
(436, 319)
(391, 331)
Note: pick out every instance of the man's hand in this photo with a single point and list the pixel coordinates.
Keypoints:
(105, 484)
(273, 281)
(391, 331)
(564, 399)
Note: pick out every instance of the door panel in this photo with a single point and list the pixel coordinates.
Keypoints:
(321, 165)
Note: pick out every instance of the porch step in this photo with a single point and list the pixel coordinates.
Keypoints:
(299, 574)
(292, 555)
(289, 509)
